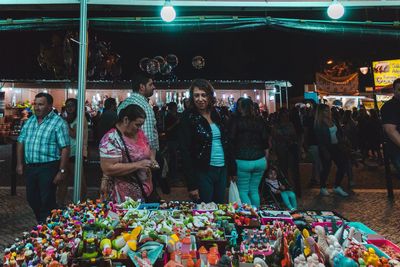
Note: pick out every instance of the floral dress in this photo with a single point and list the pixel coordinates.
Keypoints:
(112, 147)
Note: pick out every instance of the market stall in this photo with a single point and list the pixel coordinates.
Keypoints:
(96, 233)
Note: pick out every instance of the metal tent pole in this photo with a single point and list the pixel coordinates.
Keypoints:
(287, 96)
(81, 99)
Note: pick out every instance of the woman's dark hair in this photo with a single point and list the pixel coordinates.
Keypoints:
(373, 114)
(72, 116)
(109, 103)
(205, 86)
(347, 117)
(319, 114)
(282, 112)
(247, 108)
(133, 112)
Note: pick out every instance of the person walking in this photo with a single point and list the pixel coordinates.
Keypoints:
(287, 149)
(391, 125)
(171, 131)
(329, 140)
(204, 146)
(42, 156)
(125, 157)
(143, 88)
(248, 138)
(71, 105)
(107, 119)
(310, 145)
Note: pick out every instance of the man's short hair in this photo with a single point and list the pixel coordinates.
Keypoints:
(109, 102)
(48, 97)
(138, 79)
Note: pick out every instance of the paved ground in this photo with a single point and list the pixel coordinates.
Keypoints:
(368, 206)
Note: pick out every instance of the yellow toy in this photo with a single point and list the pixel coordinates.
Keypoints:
(307, 248)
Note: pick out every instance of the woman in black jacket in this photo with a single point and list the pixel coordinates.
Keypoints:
(330, 141)
(204, 146)
(248, 138)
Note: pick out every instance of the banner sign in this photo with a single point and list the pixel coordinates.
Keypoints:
(385, 72)
(330, 85)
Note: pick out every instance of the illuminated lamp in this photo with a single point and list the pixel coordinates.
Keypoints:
(335, 10)
(168, 13)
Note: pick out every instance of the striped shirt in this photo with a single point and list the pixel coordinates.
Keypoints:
(150, 124)
(42, 142)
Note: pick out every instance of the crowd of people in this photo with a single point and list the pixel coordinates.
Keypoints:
(206, 145)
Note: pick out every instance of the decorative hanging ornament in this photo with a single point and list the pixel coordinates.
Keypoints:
(160, 60)
(143, 63)
(172, 60)
(198, 62)
(165, 69)
(153, 67)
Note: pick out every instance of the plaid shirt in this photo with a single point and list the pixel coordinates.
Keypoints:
(150, 124)
(42, 142)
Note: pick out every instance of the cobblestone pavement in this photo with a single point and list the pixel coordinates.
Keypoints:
(366, 205)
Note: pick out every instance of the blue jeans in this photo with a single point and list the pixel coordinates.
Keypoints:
(289, 198)
(212, 184)
(249, 174)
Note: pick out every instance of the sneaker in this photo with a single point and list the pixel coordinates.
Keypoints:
(324, 192)
(339, 191)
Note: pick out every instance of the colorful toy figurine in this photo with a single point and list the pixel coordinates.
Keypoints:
(144, 261)
(233, 238)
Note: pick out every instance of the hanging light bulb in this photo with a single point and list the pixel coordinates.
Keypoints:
(168, 13)
(335, 10)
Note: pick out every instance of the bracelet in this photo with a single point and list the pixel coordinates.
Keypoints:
(105, 178)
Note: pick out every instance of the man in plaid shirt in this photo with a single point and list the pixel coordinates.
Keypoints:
(43, 146)
(143, 88)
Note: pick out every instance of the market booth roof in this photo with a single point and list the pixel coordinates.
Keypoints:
(206, 24)
(211, 3)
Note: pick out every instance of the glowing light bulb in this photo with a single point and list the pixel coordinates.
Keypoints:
(168, 13)
(335, 10)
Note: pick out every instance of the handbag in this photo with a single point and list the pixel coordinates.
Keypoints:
(153, 197)
(234, 194)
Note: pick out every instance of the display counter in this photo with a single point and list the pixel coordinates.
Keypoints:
(96, 233)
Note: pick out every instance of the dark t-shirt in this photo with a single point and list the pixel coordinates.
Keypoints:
(311, 138)
(391, 115)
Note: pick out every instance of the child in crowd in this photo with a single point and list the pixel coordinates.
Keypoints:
(288, 196)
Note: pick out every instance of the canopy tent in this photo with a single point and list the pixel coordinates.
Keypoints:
(206, 24)
(155, 26)
(212, 3)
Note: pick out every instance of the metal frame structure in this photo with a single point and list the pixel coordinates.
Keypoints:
(213, 3)
(178, 3)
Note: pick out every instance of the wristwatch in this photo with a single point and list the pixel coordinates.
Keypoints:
(62, 171)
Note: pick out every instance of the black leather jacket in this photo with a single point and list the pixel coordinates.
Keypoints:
(195, 144)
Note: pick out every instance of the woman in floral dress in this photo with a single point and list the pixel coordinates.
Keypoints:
(125, 157)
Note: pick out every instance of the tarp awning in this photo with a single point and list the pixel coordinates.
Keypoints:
(208, 24)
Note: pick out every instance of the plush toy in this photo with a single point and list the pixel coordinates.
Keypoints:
(322, 240)
(342, 261)
(307, 248)
(300, 261)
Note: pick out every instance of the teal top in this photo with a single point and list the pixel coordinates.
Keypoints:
(217, 151)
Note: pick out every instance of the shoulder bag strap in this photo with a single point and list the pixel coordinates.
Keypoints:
(130, 160)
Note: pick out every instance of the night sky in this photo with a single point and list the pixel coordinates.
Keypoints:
(262, 54)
